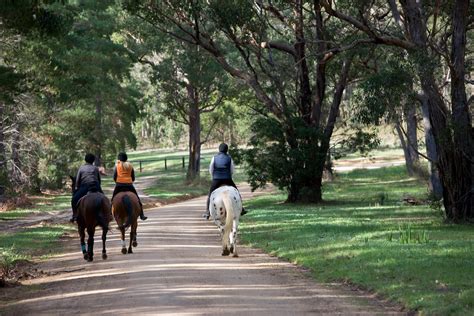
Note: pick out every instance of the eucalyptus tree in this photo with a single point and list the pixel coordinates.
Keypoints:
(434, 35)
(287, 53)
(189, 83)
(78, 79)
(192, 84)
(387, 95)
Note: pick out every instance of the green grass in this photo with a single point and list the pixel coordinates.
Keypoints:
(30, 243)
(40, 203)
(354, 236)
(172, 184)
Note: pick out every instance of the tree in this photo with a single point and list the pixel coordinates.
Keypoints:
(283, 52)
(191, 84)
(431, 34)
(386, 95)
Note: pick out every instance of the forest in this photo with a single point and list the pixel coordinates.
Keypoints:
(291, 85)
(349, 123)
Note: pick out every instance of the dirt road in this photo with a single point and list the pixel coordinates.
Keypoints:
(177, 269)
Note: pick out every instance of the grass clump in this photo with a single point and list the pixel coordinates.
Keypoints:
(404, 252)
(29, 243)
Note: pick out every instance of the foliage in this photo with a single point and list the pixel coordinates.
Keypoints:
(382, 95)
(78, 86)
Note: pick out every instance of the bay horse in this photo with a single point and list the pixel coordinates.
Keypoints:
(93, 210)
(225, 207)
(126, 210)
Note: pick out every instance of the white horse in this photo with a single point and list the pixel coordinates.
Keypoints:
(225, 207)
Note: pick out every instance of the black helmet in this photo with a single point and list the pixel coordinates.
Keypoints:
(122, 157)
(223, 148)
(89, 158)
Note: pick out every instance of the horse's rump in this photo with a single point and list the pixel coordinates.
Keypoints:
(94, 206)
(225, 207)
(224, 201)
(125, 208)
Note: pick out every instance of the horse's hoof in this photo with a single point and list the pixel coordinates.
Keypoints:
(225, 252)
(104, 256)
(130, 250)
(86, 256)
(124, 251)
(134, 244)
(235, 255)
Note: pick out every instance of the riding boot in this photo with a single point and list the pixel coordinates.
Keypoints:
(74, 215)
(142, 215)
(207, 214)
(243, 211)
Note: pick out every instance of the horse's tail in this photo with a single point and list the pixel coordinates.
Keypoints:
(129, 208)
(99, 206)
(230, 214)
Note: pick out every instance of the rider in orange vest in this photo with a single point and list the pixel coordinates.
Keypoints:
(124, 176)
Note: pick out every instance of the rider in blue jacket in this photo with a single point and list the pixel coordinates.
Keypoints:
(221, 169)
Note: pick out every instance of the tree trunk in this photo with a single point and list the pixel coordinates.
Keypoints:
(409, 140)
(435, 186)
(412, 139)
(463, 130)
(3, 156)
(309, 187)
(98, 135)
(454, 147)
(15, 155)
(194, 118)
(406, 152)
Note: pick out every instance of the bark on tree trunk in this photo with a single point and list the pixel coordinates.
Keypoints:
(310, 188)
(453, 144)
(435, 183)
(463, 130)
(411, 135)
(16, 161)
(406, 152)
(194, 118)
(3, 156)
(98, 136)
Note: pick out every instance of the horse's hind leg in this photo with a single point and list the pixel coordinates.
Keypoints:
(233, 238)
(122, 236)
(133, 233)
(134, 229)
(82, 235)
(225, 243)
(104, 237)
(90, 243)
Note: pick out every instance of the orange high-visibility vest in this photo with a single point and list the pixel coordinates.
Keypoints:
(123, 176)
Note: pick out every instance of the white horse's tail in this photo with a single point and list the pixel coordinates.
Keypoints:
(229, 219)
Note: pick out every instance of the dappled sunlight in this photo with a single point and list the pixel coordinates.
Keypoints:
(178, 266)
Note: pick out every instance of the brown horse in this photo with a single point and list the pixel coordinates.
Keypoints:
(93, 210)
(126, 209)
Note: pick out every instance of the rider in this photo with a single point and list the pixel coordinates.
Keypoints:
(87, 179)
(124, 176)
(221, 170)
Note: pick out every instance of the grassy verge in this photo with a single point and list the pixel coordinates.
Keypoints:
(39, 204)
(364, 234)
(29, 243)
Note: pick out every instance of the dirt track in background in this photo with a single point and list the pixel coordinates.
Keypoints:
(177, 269)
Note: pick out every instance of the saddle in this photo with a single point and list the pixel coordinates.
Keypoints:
(95, 190)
